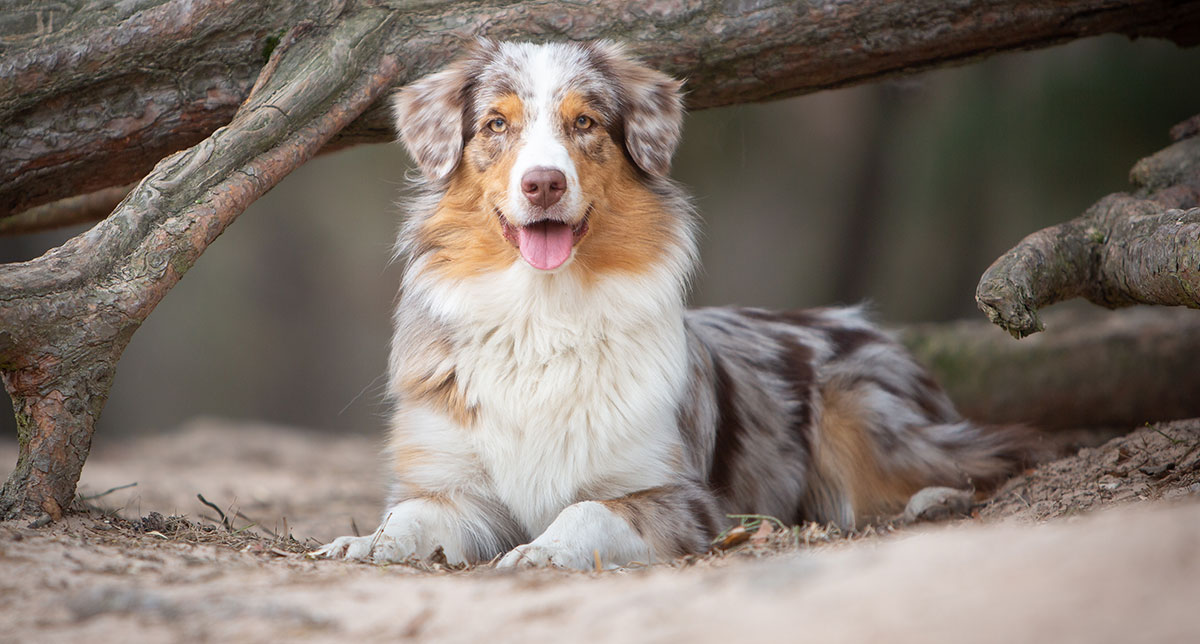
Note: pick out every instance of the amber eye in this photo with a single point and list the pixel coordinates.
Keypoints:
(584, 122)
(497, 125)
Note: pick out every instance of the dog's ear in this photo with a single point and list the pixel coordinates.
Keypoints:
(430, 115)
(650, 104)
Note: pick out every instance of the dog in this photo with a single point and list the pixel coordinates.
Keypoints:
(556, 403)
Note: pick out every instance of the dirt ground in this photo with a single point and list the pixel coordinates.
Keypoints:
(1100, 545)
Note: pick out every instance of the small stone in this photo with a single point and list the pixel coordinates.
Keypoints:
(1156, 471)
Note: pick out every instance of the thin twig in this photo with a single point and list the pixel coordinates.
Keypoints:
(107, 492)
(224, 519)
(252, 522)
(378, 534)
(1174, 441)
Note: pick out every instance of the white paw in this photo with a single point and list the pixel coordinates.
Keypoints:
(379, 548)
(546, 555)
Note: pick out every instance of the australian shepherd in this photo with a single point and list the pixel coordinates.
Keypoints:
(556, 403)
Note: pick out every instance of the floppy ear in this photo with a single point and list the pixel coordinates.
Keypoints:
(651, 105)
(430, 115)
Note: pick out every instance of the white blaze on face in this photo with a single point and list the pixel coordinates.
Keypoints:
(545, 74)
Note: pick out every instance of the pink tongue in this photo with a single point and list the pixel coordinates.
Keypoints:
(546, 244)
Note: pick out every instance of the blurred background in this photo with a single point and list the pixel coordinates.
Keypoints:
(899, 193)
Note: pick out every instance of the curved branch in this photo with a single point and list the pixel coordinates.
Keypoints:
(1126, 249)
(68, 315)
(106, 94)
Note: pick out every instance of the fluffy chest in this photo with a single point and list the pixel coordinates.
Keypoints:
(576, 387)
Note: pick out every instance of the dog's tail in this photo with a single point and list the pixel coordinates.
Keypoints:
(873, 450)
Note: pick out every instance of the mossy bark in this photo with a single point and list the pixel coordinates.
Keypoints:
(1089, 369)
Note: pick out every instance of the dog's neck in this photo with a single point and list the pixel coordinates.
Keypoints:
(547, 310)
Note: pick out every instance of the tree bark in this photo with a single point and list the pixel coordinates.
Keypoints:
(1104, 369)
(1140, 248)
(68, 315)
(92, 95)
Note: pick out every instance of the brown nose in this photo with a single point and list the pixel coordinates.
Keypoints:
(544, 186)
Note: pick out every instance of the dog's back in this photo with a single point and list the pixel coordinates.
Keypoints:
(818, 415)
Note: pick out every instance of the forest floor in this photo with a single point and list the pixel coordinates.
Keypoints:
(1102, 544)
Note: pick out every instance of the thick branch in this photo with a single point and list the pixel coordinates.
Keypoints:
(68, 314)
(93, 96)
(1126, 249)
(1117, 369)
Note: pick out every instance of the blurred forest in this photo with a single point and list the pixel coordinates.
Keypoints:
(899, 193)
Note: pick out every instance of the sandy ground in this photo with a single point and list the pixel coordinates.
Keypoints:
(1100, 546)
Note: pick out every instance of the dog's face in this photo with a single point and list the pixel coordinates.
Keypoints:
(552, 145)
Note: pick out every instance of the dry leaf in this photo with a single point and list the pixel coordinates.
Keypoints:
(763, 534)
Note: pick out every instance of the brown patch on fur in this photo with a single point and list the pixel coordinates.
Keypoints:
(438, 498)
(673, 521)
(627, 224)
(628, 227)
(510, 106)
(405, 457)
(848, 460)
(574, 105)
(633, 508)
(464, 238)
(441, 392)
(488, 146)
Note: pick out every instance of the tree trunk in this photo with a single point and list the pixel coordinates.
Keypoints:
(1104, 369)
(93, 94)
(1141, 248)
(68, 315)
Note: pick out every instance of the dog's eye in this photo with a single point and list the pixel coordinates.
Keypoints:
(584, 122)
(497, 125)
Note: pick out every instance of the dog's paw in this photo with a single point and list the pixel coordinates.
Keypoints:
(533, 555)
(938, 503)
(341, 548)
(377, 548)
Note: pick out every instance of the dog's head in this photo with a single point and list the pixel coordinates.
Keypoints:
(546, 141)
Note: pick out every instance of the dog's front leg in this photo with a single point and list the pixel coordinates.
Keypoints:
(467, 529)
(657, 524)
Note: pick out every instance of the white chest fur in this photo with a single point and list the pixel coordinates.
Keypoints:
(576, 384)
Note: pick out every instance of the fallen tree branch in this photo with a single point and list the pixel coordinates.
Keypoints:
(68, 315)
(1140, 248)
(100, 98)
(1090, 369)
